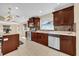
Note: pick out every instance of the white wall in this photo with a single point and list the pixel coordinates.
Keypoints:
(14, 28)
(76, 17)
(21, 30)
(46, 18)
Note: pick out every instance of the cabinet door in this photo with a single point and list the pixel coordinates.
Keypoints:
(68, 44)
(37, 22)
(11, 43)
(58, 18)
(34, 37)
(64, 16)
(43, 39)
(30, 23)
(40, 38)
(68, 14)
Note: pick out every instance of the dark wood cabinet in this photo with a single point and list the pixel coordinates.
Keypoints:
(68, 16)
(35, 22)
(43, 38)
(40, 38)
(34, 37)
(68, 44)
(58, 20)
(30, 22)
(64, 16)
(11, 44)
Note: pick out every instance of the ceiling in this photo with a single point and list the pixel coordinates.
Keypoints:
(26, 10)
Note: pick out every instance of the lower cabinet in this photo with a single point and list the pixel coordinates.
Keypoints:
(34, 37)
(10, 43)
(43, 39)
(63, 43)
(68, 44)
(40, 38)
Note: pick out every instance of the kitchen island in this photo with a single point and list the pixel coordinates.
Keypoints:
(10, 42)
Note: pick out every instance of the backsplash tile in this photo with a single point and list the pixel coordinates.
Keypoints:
(65, 28)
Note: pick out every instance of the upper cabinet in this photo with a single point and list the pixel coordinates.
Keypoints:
(64, 16)
(37, 22)
(30, 22)
(34, 22)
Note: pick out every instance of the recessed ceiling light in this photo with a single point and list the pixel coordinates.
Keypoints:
(16, 7)
(40, 11)
(53, 10)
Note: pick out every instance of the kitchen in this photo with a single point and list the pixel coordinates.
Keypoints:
(62, 33)
(55, 30)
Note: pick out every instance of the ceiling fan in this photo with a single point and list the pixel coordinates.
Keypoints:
(9, 16)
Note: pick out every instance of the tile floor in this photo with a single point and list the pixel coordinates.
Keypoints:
(30, 48)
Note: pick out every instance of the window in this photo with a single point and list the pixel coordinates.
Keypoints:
(47, 26)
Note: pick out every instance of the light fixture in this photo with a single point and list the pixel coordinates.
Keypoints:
(16, 7)
(10, 16)
(40, 11)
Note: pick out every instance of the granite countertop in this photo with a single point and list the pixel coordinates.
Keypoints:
(68, 33)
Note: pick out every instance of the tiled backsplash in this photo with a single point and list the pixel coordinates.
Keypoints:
(62, 28)
(65, 28)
